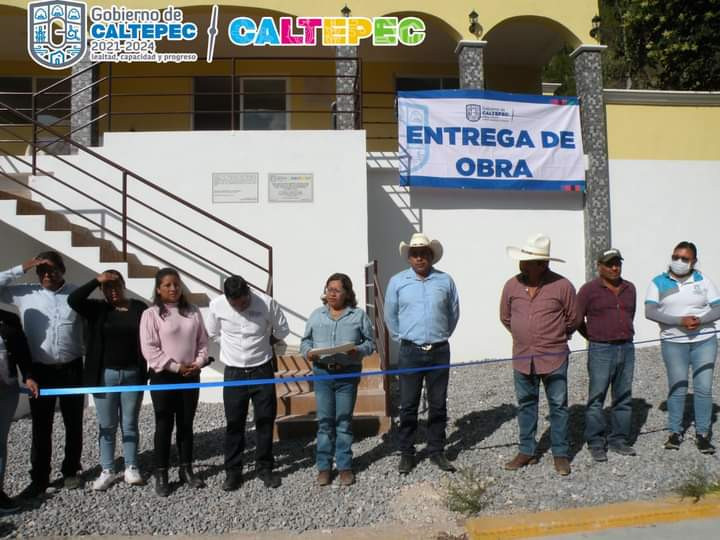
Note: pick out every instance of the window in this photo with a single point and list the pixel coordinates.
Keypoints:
(410, 84)
(17, 93)
(212, 103)
(264, 104)
(259, 104)
(53, 104)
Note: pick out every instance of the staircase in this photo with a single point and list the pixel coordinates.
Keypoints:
(60, 228)
(296, 400)
(80, 244)
(296, 410)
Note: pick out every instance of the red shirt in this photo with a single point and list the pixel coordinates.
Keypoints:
(541, 325)
(603, 315)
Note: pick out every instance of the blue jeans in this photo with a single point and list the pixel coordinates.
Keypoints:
(8, 403)
(119, 405)
(335, 400)
(678, 357)
(609, 365)
(527, 390)
(436, 384)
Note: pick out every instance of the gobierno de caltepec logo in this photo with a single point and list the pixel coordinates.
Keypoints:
(56, 32)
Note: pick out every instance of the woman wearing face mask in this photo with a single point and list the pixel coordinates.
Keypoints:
(685, 303)
(113, 358)
(174, 342)
(338, 322)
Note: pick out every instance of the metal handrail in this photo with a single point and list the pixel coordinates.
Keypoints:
(375, 310)
(125, 196)
(95, 223)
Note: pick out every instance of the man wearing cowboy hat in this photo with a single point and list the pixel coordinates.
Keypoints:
(537, 306)
(421, 312)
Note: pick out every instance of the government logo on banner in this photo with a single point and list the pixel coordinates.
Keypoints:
(56, 33)
(490, 140)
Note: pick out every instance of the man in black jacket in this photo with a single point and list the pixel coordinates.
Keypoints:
(14, 353)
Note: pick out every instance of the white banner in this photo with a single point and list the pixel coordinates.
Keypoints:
(490, 140)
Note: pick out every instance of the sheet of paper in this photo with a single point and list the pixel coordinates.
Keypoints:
(345, 347)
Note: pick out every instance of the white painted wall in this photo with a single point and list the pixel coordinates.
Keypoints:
(360, 212)
(474, 226)
(310, 240)
(655, 205)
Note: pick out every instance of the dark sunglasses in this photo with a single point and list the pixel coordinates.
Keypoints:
(612, 262)
(679, 258)
(46, 269)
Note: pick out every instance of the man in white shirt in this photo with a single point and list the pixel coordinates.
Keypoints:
(55, 337)
(244, 321)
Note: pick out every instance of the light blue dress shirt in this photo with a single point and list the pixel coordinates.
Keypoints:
(353, 326)
(54, 330)
(421, 310)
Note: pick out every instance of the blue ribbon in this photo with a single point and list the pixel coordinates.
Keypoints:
(285, 380)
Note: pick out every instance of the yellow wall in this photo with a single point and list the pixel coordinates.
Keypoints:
(379, 91)
(663, 132)
(160, 81)
(573, 14)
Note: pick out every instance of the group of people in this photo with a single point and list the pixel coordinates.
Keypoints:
(125, 342)
(541, 310)
(68, 339)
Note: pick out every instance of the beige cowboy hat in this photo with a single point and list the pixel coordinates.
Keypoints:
(419, 240)
(536, 248)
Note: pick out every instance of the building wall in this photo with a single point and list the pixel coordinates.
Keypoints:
(674, 131)
(310, 240)
(664, 173)
(475, 227)
(656, 204)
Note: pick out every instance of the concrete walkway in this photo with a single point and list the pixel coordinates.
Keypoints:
(694, 529)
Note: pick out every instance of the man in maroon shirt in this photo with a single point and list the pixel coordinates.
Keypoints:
(537, 306)
(605, 312)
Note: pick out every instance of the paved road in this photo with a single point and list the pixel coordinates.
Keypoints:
(696, 529)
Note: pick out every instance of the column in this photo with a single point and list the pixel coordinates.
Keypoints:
(80, 103)
(470, 60)
(589, 82)
(345, 83)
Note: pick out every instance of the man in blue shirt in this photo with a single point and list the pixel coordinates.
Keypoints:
(421, 312)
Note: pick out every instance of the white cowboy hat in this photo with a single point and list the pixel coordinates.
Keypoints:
(536, 248)
(419, 240)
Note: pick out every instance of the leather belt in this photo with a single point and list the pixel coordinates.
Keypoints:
(615, 341)
(427, 347)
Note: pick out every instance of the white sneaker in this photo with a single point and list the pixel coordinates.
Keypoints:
(132, 476)
(104, 481)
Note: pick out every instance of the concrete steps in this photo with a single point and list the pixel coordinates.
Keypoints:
(81, 244)
(297, 407)
(296, 400)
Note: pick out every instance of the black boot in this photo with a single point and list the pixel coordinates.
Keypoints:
(189, 477)
(162, 487)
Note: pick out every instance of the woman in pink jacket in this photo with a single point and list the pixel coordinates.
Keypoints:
(174, 342)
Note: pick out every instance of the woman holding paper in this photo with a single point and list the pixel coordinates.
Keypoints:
(337, 337)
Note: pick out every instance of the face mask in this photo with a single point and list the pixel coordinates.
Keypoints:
(679, 268)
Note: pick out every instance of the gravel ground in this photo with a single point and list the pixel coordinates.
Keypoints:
(482, 434)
